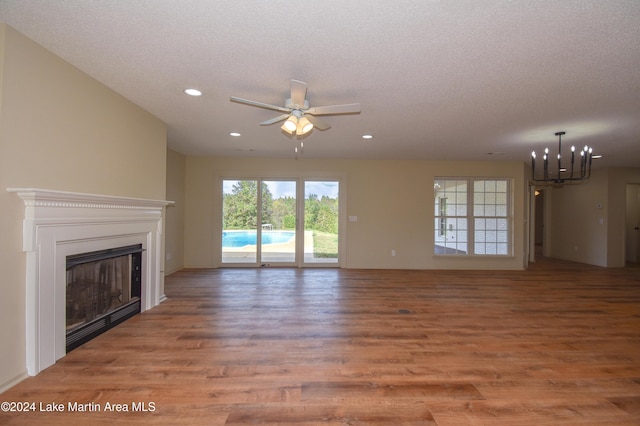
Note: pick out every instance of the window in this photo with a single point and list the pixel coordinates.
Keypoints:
(472, 216)
(443, 218)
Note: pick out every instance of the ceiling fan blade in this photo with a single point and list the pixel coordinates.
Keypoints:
(298, 93)
(275, 119)
(334, 109)
(318, 124)
(259, 104)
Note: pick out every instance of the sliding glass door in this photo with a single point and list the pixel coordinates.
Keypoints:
(280, 222)
(259, 225)
(321, 222)
(240, 221)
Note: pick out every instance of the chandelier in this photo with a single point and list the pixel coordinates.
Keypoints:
(562, 174)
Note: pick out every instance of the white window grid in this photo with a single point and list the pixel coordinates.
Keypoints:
(475, 214)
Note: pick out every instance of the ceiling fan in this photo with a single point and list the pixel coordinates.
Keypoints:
(300, 117)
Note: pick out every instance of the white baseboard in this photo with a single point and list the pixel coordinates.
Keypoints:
(167, 273)
(14, 381)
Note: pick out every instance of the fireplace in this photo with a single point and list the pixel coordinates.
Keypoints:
(103, 289)
(58, 226)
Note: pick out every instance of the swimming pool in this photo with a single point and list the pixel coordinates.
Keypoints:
(244, 238)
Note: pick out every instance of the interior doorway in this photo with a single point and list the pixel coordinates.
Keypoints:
(537, 236)
(539, 233)
(632, 225)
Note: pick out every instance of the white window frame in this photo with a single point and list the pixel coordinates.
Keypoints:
(460, 223)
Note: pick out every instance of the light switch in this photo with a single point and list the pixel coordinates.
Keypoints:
(353, 218)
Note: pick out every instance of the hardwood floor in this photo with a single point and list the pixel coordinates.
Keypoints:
(558, 344)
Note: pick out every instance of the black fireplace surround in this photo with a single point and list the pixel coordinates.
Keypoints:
(103, 289)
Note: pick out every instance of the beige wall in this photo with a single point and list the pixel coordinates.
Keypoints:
(578, 220)
(174, 218)
(618, 180)
(60, 129)
(392, 199)
(587, 221)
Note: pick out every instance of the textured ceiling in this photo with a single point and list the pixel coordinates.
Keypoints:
(449, 79)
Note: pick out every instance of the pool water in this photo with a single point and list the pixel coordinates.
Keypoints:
(244, 238)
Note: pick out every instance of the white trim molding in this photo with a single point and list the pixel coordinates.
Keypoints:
(58, 224)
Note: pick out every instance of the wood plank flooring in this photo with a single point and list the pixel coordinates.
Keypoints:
(558, 344)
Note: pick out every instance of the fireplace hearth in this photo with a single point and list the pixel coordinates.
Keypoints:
(103, 289)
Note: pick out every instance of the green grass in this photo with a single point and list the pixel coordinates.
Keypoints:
(325, 244)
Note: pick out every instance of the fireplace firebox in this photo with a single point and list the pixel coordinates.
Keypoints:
(103, 289)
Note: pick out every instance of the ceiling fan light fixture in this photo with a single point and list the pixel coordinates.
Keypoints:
(284, 128)
(291, 124)
(304, 126)
(299, 118)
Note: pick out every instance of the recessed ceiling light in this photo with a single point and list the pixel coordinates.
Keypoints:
(235, 134)
(193, 92)
(367, 136)
(596, 157)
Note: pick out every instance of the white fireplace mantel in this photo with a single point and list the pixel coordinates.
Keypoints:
(58, 224)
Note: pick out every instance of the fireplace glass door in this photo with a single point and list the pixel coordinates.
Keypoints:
(103, 289)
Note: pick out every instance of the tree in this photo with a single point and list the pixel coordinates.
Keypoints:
(321, 214)
(240, 206)
(284, 213)
(311, 207)
(267, 204)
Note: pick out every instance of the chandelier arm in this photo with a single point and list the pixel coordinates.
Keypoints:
(587, 165)
(559, 153)
(545, 174)
(572, 162)
(533, 166)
